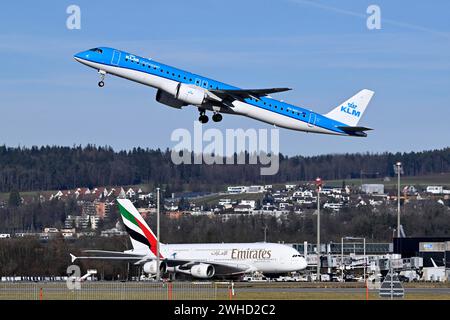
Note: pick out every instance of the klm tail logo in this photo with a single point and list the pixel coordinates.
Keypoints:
(351, 109)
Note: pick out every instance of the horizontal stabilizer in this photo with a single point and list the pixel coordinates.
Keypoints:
(357, 131)
(354, 129)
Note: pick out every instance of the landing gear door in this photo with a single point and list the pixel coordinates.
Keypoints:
(312, 119)
(115, 57)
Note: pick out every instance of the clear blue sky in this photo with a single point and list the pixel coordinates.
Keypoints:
(322, 50)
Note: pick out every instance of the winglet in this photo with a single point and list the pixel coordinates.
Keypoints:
(73, 257)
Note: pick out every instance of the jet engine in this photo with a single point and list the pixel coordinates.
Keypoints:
(168, 99)
(150, 267)
(184, 94)
(203, 271)
(190, 94)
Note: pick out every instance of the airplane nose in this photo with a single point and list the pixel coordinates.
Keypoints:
(302, 263)
(83, 55)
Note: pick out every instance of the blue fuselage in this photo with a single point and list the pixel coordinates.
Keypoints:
(306, 120)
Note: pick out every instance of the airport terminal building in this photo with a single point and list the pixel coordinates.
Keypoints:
(431, 249)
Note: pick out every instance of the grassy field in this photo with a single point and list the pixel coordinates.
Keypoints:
(34, 194)
(419, 181)
(330, 296)
(4, 196)
(207, 291)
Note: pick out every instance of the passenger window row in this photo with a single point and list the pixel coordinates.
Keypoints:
(298, 113)
(167, 72)
(303, 114)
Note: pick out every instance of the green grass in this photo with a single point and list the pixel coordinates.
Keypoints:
(288, 295)
(418, 181)
(198, 291)
(4, 196)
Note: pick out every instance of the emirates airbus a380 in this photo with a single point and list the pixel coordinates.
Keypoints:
(199, 260)
(178, 88)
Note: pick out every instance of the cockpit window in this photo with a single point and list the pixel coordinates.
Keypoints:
(96, 50)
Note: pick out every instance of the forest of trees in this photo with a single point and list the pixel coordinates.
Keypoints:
(31, 257)
(52, 168)
(34, 216)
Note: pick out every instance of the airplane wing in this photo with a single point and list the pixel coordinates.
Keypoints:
(221, 268)
(112, 253)
(246, 93)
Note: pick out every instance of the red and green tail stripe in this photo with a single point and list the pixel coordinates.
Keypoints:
(148, 238)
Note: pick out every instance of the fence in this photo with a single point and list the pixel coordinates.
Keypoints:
(114, 291)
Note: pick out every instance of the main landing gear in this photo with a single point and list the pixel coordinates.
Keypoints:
(102, 77)
(217, 117)
(203, 117)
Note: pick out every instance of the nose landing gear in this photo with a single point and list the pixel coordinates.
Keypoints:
(102, 77)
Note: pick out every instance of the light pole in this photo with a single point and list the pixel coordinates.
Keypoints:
(319, 186)
(398, 168)
(365, 264)
(265, 233)
(342, 258)
(157, 236)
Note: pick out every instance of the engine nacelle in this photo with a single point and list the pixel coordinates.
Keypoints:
(168, 99)
(203, 271)
(150, 267)
(190, 94)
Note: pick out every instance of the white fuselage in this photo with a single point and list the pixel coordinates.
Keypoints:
(248, 257)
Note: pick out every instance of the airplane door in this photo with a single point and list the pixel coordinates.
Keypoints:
(115, 58)
(312, 119)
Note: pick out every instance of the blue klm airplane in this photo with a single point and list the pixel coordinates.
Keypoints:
(178, 88)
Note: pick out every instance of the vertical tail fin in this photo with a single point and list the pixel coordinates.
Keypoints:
(351, 111)
(142, 237)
